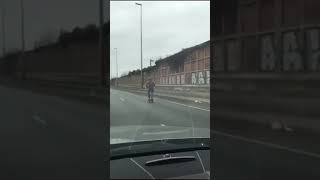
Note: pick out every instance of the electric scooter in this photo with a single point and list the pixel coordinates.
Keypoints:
(150, 98)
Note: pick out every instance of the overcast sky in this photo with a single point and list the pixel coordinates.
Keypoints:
(43, 17)
(168, 26)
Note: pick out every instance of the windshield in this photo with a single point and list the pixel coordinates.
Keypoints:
(170, 97)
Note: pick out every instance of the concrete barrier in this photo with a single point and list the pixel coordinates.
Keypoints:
(88, 93)
(293, 99)
(178, 92)
(297, 112)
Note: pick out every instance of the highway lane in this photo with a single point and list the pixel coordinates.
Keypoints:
(242, 158)
(245, 153)
(47, 137)
(132, 109)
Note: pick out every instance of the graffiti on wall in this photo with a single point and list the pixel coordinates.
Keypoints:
(195, 78)
(201, 78)
(268, 55)
(292, 59)
(292, 56)
(314, 49)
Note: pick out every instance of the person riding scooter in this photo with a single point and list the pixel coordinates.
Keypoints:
(150, 85)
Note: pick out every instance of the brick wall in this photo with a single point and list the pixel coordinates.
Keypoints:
(190, 67)
(193, 68)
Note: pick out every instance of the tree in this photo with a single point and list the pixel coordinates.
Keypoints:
(62, 38)
(46, 39)
(124, 74)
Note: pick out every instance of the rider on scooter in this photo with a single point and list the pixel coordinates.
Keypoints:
(150, 85)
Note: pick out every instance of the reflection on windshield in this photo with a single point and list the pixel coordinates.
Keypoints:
(123, 134)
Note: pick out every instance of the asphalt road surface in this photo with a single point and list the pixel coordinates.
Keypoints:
(244, 158)
(47, 137)
(133, 109)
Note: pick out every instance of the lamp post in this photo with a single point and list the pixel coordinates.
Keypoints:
(141, 41)
(110, 69)
(102, 45)
(24, 71)
(151, 62)
(116, 65)
(3, 20)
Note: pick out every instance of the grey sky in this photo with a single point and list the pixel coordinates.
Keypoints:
(168, 26)
(43, 17)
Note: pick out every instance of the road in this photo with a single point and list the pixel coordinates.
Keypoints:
(240, 151)
(133, 109)
(48, 137)
(255, 152)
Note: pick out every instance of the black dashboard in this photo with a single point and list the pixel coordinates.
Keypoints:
(182, 164)
(138, 168)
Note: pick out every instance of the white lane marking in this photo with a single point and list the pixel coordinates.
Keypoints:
(276, 146)
(134, 138)
(189, 106)
(121, 99)
(142, 168)
(38, 119)
(204, 170)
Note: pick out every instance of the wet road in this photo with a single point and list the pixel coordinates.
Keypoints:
(133, 109)
(243, 158)
(47, 137)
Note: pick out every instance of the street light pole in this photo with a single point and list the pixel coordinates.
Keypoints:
(110, 69)
(151, 62)
(117, 65)
(102, 45)
(3, 28)
(141, 41)
(23, 41)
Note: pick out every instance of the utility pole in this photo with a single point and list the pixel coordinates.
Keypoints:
(3, 28)
(110, 68)
(24, 71)
(102, 45)
(151, 62)
(116, 66)
(141, 41)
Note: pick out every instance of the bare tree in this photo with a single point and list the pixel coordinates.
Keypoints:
(46, 38)
(124, 73)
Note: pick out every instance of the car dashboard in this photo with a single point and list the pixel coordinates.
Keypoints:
(179, 165)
